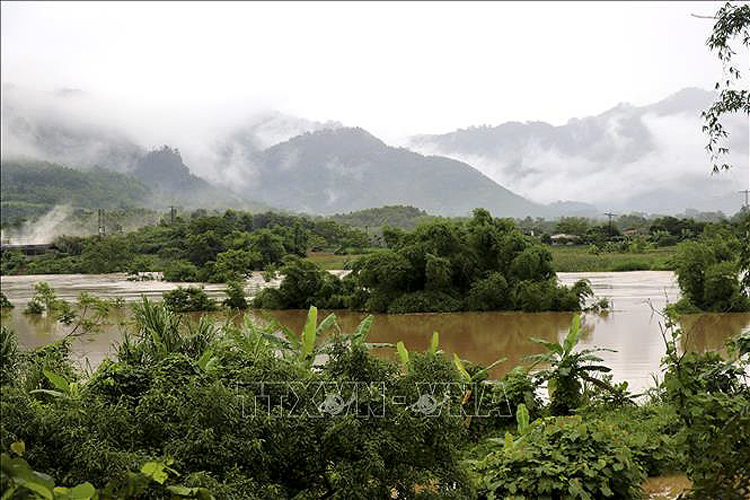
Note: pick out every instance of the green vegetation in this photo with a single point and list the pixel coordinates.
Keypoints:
(482, 264)
(175, 414)
(394, 216)
(197, 247)
(4, 302)
(585, 259)
(188, 299)
(30, 189)
(709, 271)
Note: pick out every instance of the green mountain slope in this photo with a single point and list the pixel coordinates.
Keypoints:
(348, 169)
(31, 188)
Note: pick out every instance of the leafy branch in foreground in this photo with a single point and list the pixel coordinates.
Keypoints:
(732, 22)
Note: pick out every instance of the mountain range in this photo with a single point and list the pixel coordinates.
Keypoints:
(645, 158)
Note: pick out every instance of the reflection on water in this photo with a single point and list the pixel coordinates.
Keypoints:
(632, 328)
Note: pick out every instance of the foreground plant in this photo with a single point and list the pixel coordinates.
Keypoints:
(568, 369)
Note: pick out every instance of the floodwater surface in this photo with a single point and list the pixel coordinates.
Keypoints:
(632, 328)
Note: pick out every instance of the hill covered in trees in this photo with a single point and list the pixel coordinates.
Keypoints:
(32, 188)
(396, 216)
(349, 169)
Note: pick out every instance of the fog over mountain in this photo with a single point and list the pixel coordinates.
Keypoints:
(629, 158)
(647, 158)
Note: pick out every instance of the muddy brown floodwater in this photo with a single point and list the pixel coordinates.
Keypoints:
(631, 328)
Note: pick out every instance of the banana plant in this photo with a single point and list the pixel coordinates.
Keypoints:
(470, 380)
(303, 348)
(567, 368)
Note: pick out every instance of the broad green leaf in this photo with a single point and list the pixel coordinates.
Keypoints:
(486, 369)
(155, 471)
(522, 418)
(460, 367)
(551, 386)
(508, 444)
(434, 342)
(573, 333)
(59, 382)
(371, 345)
(360, 334)
(327, 323)
(552, 346)
(309, 332)
(402, 353)
(83, 491)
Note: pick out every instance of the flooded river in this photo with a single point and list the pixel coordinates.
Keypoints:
(631, 328)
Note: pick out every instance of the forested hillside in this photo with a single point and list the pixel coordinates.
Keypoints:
(30, 189)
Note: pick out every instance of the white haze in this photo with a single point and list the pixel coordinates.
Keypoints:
(43, 230)
(658, 181)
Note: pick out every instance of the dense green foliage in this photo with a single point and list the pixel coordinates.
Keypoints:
(4, 302)
(199, 247)
(30, 189)
(186, 397)
(563, 457)
(188, 299)
(709, 273)
(394, 216)
(711, 396)
(182, 397)
(482, 264)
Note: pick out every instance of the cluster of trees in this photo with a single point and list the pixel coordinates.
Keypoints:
(394, 216)
(29, 189)
(230, 410)
(714, 271)
(657, 230)
(199, 247)
(482, 264)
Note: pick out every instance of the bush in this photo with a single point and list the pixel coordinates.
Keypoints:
(4, 302)
(188, 299)
(181, 270)
(424, 301)
(709, 276)
(563, 457)
(236, 298)
(489, 294)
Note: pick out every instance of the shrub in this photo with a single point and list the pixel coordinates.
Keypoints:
(424, 301)
(236, 298)
(489, 294)
(4, 302)
(563, 457)
(188, 299)
(709, 276)
(181, 270)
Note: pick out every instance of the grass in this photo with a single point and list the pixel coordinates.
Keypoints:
(578, 259)
(564, 259)
(329, 261)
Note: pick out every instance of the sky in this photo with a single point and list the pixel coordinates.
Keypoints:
(393, 68)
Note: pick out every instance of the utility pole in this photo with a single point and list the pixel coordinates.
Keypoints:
(100, 222)
(610, 215)
(746, 191)
(172, 214)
